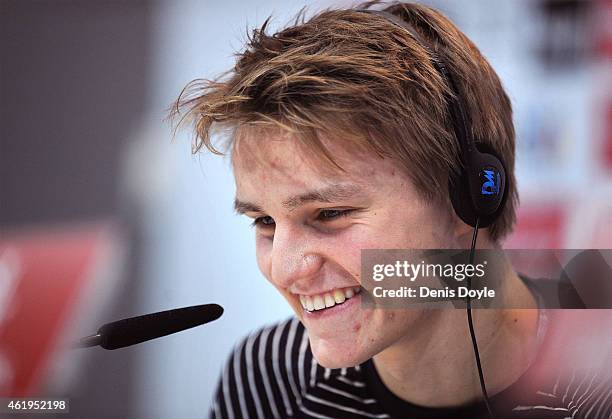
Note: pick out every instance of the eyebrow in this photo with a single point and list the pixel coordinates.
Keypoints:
(327, 194)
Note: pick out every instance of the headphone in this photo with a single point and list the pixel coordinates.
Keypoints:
(479, 192)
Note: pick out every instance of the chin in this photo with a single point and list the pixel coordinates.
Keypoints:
(333, 354)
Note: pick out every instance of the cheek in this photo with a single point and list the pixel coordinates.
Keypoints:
(263, 248)
(346, 247)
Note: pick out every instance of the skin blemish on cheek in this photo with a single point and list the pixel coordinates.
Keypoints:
(357, 327)
(262, 177)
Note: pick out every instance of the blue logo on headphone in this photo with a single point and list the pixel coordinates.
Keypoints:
(491, 183)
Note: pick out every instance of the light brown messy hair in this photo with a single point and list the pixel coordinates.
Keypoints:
(358, 79)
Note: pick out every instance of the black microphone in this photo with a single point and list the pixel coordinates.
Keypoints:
(139, 329)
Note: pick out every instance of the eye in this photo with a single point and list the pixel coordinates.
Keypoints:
(265, 221)
(332, 214)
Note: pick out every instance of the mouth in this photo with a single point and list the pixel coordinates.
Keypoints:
(318, 302)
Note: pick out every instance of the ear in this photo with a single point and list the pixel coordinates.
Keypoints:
(464, 232)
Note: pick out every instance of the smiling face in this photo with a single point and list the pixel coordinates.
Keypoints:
(311, 223)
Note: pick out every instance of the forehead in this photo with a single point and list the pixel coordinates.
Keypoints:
(268, 154)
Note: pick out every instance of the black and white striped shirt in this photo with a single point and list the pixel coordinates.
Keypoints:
(272, 374)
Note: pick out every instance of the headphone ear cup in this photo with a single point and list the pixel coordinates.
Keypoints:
(487, 183)
(461, 200)
(480, 191)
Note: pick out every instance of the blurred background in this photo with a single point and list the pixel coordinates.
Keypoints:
(102, 216)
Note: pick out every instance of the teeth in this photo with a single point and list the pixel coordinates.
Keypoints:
(309, 304)
(339, 296)
(318, 302)
(329, 299)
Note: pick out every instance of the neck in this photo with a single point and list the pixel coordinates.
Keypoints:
(438, 367)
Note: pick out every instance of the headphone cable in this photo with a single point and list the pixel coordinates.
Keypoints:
(471, 325)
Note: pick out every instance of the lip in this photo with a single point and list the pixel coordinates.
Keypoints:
(336, 310)
(313, 293)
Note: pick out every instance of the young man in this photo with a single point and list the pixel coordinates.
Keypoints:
(342, 140)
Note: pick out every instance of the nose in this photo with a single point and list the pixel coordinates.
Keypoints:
(295, 257)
